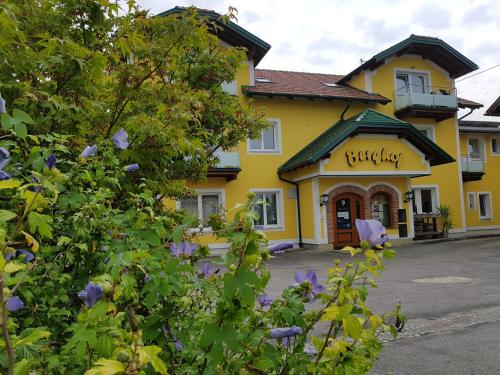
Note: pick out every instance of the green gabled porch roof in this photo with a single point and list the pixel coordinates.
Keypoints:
(367, 122)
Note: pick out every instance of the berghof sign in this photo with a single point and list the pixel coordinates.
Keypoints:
(376, 157)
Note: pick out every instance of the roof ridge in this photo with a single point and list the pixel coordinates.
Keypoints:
(392, 119)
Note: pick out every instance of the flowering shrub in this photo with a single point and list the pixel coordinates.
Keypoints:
(102, 114)
(99, 280)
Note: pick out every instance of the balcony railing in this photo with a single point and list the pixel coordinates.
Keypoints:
(228, 165)
(228, 159)
(423, 100)
(472, 168)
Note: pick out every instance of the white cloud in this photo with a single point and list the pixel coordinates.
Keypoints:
(332, 36)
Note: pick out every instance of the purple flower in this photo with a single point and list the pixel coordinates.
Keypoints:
(206, 270)
(51, 161)
(4, 157)
(311, 281)
(265, 300)
(131, 167)
(182, 248)
(28, 255)
(89, 151)
(372, 231)
(120, 139)
(259, 227)
(4, 175)
(279, 333)
(2, 105)
(14, 303)
(91, 294)
(280, 247)
(168, 336)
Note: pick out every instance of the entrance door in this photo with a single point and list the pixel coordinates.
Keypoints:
(346, 209)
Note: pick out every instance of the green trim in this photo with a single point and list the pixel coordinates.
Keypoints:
(380, 57)
(247, 90)
(367, 122)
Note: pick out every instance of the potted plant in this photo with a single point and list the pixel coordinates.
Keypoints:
(444, 212)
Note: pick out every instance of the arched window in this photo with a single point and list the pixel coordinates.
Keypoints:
(380, 204)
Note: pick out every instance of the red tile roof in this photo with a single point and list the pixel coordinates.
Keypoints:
(494, 109)
(307, 85)
(466, 103)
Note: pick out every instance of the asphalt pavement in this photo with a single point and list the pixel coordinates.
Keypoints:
(450, 293)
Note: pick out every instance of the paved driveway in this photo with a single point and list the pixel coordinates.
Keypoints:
(450, 293)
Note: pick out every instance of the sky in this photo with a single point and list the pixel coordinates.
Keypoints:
(332, 36)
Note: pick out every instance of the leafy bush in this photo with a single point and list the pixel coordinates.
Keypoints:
(111, 282)
(97, 275)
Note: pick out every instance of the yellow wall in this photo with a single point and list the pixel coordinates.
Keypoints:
(301, 121)
(447, 176)
(488, 183)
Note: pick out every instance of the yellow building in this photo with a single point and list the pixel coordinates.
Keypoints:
(381, 142)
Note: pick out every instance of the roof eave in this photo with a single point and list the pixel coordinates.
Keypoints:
(380, 58)
(252, 94)
(260, 45)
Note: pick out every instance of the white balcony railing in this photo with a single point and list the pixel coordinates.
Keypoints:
(472, 165)
(431, 97)
(228, 159)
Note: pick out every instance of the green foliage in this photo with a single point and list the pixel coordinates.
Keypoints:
(445, 213)
(82, 68)
(81, 71)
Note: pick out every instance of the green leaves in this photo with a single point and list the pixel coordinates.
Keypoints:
(149, 355)
(41, 224)
(106, 367)
(17, 122)
(7, 215)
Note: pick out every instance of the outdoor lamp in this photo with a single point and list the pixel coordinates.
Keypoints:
(324, 199)
(409, 196)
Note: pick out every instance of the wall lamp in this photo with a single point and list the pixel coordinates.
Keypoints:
(324, 199)
(409, 195)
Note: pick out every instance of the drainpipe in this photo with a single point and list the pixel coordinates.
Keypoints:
(296, 184)
(348, 104)
(467, 114)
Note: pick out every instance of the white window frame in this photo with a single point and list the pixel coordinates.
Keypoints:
(418, 197)
(498, 145)
(429, 129)
(487, 217)
(276, 123)
(409, 73)
(482, 147)
(279, 208)
(200, 192)
(471, 201)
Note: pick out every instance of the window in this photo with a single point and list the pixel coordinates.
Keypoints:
(475, 148)
(202, 206)
(495, 146)
(229, 87)
(485, 211)
(471, 201)
(425, 200)
(267, 205)
(427, 130)
(381, 208)
(416, 83)
(268, 141)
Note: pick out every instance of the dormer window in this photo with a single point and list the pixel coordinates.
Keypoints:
(263, 80)
(412, 82)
